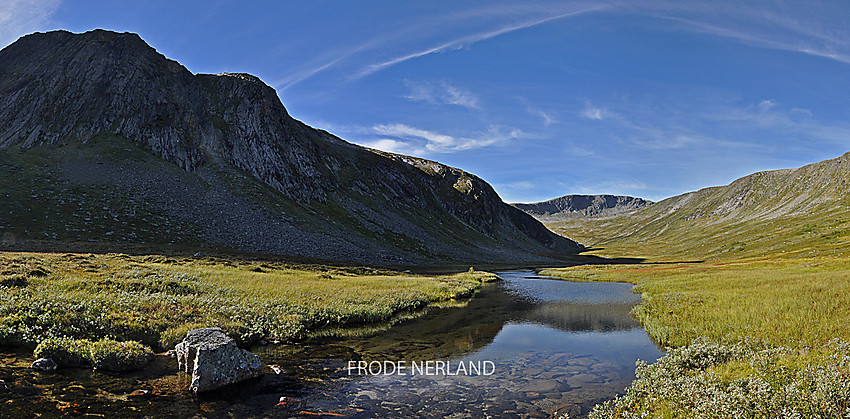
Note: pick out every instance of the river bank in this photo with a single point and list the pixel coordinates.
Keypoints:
(155, 299)
(759, 337)
(554, 347)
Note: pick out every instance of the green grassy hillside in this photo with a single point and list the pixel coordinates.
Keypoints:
(794, 212)
(749, 282)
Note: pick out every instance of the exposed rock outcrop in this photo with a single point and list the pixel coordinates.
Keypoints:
(214, 360)
(574, 206)
(249, 163)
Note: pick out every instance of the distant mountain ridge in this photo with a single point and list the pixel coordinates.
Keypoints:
(572, 206)
(802, 211)
(98, 113)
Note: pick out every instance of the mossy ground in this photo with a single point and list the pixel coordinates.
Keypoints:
(156, 299)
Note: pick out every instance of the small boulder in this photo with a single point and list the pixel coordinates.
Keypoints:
(3, 387)
(276, 369)
(214, 360)
(44, 365)
(139, 394)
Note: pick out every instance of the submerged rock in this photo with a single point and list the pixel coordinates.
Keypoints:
(44, 365)
(214, 360)
(139, 394)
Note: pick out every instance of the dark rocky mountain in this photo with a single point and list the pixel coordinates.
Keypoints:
(104, 140)
(574, 206)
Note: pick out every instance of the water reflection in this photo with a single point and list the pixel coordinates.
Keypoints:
(558, 347)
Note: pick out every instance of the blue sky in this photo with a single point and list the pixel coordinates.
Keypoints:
(539, 98)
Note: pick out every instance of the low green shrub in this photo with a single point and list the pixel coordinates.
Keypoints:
(110, 355)
(105, 354)
(65, 352)
(709, 380)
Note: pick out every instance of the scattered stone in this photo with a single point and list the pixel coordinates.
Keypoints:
(140, 394)
(541, 386)
(214, 360)
(3, 387)
(570, 410)
(44, 365)
(276, 369)
(585, 378)
(290, 402)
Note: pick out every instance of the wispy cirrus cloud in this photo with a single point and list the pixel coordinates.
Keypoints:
(352, 57)
(548, 117)
(594, 112)
(817, 30)
(467, 41)
(19, 17)
(770, 116)
(832, 49)
(437, 92)
(397, 137)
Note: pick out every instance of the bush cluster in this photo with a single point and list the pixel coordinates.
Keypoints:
(710, 380)
(104, 354)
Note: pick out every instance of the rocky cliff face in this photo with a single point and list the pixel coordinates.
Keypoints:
(78, 97)
(573, 206)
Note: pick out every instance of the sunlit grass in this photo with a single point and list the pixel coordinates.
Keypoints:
(155, 299)
(786, 311)
(778, 301)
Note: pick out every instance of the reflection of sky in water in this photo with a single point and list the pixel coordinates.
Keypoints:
(553, 343)
(621, 347)
(526, 285)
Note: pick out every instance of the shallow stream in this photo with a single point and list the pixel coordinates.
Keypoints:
(523, 347)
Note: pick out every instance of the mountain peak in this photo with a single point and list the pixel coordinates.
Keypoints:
(59, 88)
(572, 206)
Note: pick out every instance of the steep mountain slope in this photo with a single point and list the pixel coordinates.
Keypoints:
(88, 122)
(803, 211)
(573, 206)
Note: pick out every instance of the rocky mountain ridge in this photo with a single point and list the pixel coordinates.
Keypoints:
(98, 111)
(574, 206)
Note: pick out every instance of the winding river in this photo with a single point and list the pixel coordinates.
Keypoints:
(523, 347)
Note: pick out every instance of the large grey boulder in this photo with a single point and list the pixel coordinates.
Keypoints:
(214, 360)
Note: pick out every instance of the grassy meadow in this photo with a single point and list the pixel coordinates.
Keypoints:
(750, 338)
(800, 301)
(755, 311)
(156, 299)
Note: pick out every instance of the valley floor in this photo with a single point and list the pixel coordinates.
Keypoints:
(155, 299)
(755, 337)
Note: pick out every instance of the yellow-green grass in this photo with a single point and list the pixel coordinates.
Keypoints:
(800, 301)
(777, 318)
(155, 299)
